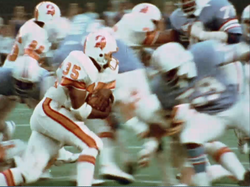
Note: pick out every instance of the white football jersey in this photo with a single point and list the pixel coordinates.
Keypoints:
(32, 40)
(78, 71)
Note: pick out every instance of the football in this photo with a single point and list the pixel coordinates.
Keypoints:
(92, 101)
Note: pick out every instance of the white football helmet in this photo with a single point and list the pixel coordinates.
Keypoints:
(149, 17)
(245, 20)
(100, 45)
(173, 56)
(151, 10)
(46, 11)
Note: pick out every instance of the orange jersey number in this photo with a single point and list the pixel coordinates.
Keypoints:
(74, 72)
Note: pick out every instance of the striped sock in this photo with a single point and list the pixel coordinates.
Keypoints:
(86, 167)
(12, 177)
(197, 158)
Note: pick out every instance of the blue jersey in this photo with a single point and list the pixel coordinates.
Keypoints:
(9, 88)
(211, 91)
(217, 15)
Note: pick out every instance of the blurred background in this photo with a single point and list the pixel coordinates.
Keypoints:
(13, 13)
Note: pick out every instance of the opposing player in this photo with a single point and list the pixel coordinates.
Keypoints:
(202, 82)
(243, 141)
(223, 25)
(80, 74)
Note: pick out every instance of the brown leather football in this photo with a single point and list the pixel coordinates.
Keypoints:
(92, 101)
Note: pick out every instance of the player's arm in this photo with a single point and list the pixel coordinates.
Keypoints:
(74, 79)
(228, 29)
(161, 37)
(235, 52)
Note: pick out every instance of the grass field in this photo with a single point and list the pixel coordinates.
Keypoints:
(62, 175)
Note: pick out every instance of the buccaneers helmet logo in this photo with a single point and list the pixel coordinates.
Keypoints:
(100, 42)
(144, 10)
(50, 9)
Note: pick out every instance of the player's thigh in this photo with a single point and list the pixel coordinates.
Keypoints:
(40, 150)
(200, 128)
(149, 110)
(130, 84)
(98, 126)
(60, 125)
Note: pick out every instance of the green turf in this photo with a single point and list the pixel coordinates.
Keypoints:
(145, 177)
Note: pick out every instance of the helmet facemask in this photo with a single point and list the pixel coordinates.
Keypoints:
(188, 6)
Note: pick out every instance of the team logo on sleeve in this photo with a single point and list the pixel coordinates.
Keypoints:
(100, 42)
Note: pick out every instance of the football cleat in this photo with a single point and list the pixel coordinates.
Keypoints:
(115, 173)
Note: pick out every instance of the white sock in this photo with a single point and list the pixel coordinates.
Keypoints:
(86, 167)
(229, 161)
(107, 153)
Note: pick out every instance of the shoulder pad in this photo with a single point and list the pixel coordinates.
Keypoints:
(85, 62)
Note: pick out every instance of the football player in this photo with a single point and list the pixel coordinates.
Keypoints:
(31, 43)
(26, 82)
(142, 27)
(243, 141)
(223, 25)
(192, 77)
(53, 121)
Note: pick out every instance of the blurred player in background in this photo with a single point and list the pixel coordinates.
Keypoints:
(244, 141)
(170, 88)
(222, 26)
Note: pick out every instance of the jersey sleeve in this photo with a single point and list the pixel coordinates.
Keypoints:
(73, 74)
(226, 17)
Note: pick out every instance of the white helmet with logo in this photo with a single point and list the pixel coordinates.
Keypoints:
(149, 9)
(173, 56)
(100, 45)
(46, 11)
(245, 20)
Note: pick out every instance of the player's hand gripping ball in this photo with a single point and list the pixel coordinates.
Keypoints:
(100, 99)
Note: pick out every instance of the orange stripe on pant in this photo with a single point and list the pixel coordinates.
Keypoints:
(9, 177)
(107, 135)
(87, 158)
(68, 124)
(220, 152)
